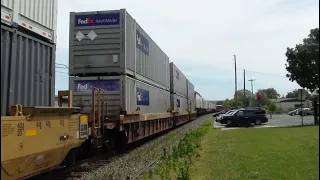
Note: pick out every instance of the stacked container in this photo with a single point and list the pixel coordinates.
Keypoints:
(28, 36)
(190, 96)
(111, 45)
(178, 89)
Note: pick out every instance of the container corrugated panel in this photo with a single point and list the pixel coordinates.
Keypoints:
(38, 16)
(121, 94)
(178, 81)
(179, 103)
(29, 78)
(199, 103)
(108, 42)
(6, 44)
(190, 91)
(192, 104)
(204, 104)
(212, 106)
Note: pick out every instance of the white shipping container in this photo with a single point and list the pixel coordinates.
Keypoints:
(211, 105)
(112, 42)
(179, 103)
(122, 93)
(198, 99)
(38, 16)
(204, 104)
(190, 90)
(192, 104)
(178, 81)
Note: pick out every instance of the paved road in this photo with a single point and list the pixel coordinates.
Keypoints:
(280, 121)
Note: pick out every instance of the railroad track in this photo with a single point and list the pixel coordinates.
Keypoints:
(88, 164)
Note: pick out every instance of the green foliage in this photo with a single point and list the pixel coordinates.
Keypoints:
(272, 107)
(303, 61)
(271, 93)
(219, 103)
(179, 161)
(295, 94)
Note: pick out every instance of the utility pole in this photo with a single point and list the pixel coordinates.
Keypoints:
(235, 80)
(251, 80)
(244, 87)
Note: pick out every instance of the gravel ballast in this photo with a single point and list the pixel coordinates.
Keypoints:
(135, 161)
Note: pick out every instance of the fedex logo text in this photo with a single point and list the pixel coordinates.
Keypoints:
(97, 19)
(85, 21)
(82, 87)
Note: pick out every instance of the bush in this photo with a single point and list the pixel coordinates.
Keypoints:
(180, 159)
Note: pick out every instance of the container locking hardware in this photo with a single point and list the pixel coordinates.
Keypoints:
(63, 138)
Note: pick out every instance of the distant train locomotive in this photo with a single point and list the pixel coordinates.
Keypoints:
(122, 88)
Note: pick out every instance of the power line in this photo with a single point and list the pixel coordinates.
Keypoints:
(272, 74)
(61, 72)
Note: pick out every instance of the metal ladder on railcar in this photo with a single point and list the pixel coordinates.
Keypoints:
(97, 117)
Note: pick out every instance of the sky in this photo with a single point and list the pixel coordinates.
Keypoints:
(201, 37)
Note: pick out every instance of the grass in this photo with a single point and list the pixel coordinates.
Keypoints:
(176, 164)
(268, 153)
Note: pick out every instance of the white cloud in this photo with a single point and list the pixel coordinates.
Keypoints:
(202, 36)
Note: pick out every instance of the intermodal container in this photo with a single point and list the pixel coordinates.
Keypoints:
(122, 94)
(112, 42)
(37, 16)
(204, 104)
(192, 105)
(178, 81)
(27, 70)
(179, 103)
(190, 92)
(198, 101)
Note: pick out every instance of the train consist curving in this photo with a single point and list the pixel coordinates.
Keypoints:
(122, 88)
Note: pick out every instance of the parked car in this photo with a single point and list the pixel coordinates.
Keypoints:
(306, 112)
(293, 112)
(245, 117)
(218, 113)
(221, 115)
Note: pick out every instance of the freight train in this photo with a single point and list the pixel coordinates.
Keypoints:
(122, 88)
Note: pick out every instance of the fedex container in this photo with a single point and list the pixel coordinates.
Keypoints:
(37, 16)
(198, 101)
(179, 103)
(111, 42)
(190, 92)
(178, 81)
(27, 70)
(192, 105)
(211, 106)
(204, 104)
(122, 93)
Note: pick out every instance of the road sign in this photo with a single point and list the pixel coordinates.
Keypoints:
(301, 95)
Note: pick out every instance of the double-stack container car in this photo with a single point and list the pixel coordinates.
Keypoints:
(178, 90)
(122, 87)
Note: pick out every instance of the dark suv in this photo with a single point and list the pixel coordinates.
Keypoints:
(245, 117)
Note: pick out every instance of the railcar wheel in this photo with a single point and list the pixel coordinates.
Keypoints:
(121, 141)
(70, 158)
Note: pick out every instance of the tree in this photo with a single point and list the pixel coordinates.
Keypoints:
(272, 107)
(295, 94)
(303, 61)
(219, 103)
(243, 101)
(271, 93)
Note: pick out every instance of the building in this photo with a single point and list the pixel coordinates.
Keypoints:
(287, 104)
